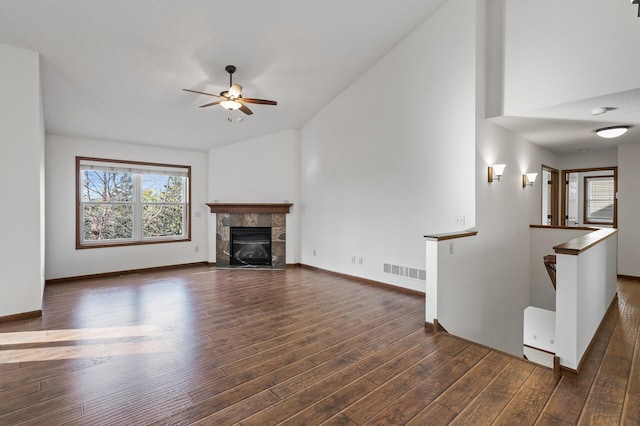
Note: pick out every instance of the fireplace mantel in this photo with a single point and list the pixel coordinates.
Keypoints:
(263, 208)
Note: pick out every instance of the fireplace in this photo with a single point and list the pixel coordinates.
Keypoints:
(268, 219)
(250, 246)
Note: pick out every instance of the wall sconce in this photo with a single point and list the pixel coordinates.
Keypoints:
(528, 179)
(495, 172)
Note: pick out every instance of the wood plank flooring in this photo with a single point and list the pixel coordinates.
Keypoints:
(297, 347)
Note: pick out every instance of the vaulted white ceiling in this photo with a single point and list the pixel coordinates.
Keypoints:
(115, 69)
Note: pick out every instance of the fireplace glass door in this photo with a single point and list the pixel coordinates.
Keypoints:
(250, 246)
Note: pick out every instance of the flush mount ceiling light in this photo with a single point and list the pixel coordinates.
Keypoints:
(612, 132)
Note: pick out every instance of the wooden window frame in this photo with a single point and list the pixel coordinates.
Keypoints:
(80, 244)
(586, 197)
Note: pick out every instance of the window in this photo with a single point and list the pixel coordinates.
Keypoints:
(123, 202)
(599, 199)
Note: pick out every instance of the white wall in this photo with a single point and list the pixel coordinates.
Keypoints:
(391, 159)
(629, 210)
(495, 277)
(261, 170)
(22, 170)
(495, 283)
(590, 159)
(567, 58)
(63, 260)
(588, 285)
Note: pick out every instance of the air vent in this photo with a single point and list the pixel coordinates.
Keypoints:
(405, 272)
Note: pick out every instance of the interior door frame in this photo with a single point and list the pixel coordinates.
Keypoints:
(565, 173)
(555, 189)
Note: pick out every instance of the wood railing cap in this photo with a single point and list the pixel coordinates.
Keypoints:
(585, 242)
(578, 228)
(451, 235)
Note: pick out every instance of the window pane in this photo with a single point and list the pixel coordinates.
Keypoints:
(603, 214)
(107, 222)
(160, 220)
(162, 189)
(107, 186)
(600, 193)
(122, 202)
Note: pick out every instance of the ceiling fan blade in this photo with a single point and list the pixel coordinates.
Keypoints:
(212, 103)
(246, 110)
(202, 93)
(259, 101)
(235, 91)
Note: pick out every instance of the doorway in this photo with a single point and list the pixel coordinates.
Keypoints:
(589, 197)
(550, 187)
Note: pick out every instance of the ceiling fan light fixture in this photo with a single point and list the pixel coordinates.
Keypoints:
(612, 132)
(230, 105)
(235, 91)
(232, 99)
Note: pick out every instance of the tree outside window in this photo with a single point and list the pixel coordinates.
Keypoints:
(123, 203)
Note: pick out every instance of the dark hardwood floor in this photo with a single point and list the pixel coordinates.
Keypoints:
(296, 347)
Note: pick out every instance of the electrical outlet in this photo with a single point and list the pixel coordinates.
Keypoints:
(197, 249)
(460, 220)
(314, 252)
(353, 259)
(360, 260)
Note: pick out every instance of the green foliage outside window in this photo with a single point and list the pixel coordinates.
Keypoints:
(160, 218)
(123, 206)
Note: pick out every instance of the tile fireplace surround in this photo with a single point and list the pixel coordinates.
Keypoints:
(251, 215)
